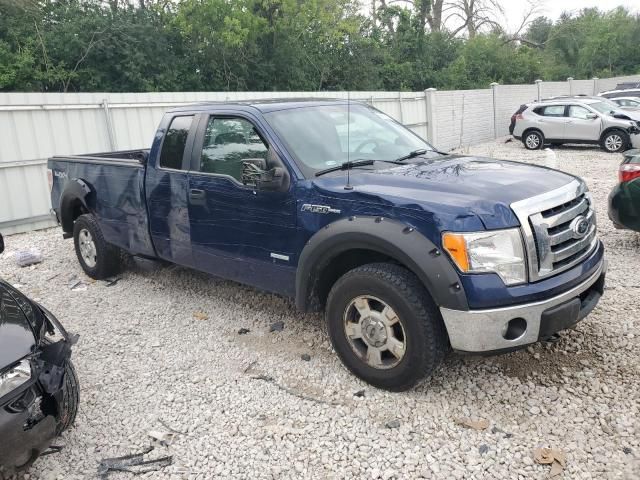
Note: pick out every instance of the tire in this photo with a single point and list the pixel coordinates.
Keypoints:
(533, 140)
(71, 399)
(416, 323)
(615, 141)
(97, 258)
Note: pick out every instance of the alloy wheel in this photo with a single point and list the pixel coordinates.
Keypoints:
(374, 332)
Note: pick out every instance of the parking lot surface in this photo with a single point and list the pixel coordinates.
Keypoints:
(160, 352)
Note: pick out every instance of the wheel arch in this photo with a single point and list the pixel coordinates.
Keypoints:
(349, 243)
(532, 129)
(74, 201)
(608, 130)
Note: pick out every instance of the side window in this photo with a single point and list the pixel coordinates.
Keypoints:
(175, 141)
(576, 111)
(553, 111)
(227, 142)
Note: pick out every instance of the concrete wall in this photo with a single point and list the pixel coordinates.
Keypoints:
(35, 126)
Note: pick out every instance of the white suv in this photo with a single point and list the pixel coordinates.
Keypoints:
(575, 120)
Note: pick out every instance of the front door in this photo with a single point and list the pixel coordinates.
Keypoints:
(238, 231)
(581, 124)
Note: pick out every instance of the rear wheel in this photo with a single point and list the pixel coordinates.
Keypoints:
(97, 258)
(615, 141)
(385, 327)
(533, 140)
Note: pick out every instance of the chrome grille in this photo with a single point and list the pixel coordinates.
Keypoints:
(559, 229)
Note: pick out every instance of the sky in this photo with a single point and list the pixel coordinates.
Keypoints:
(515, 9)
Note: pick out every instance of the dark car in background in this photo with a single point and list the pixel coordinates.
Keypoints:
(624, 200)
(38, 385)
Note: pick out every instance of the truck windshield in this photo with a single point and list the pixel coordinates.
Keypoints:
(324, 136)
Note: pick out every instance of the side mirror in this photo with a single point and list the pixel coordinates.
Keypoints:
(256, 175)
(592, 116)
(1, 243)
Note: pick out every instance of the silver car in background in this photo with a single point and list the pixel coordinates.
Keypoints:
(586, 120)
(627, 102)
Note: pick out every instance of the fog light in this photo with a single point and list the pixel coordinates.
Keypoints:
(514, 328)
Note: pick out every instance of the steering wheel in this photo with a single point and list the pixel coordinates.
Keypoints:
(367, 142)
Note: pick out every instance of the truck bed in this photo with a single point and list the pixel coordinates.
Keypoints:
(120, 207)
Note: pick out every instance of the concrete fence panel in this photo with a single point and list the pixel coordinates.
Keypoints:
(35, 126)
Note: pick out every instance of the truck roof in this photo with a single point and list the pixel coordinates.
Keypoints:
(264, 105)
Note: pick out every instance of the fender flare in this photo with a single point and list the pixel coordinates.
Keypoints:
(75, 190)
(389, 237)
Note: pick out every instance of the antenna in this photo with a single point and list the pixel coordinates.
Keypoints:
(348, 185)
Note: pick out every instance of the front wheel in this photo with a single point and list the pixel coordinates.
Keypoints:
(70, 399)
(615, 141)
(385, 327)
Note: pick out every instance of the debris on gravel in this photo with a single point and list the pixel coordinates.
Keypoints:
(141, 347)
(480, 424)
(306, 357)
(276, 327)
(243, 331)
(393, 424)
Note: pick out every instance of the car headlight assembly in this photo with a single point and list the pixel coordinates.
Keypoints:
(14, 377)
(496, 251)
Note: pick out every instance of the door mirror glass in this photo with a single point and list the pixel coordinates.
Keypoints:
(256, 174)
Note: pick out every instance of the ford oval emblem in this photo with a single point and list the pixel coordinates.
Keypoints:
(580, 227)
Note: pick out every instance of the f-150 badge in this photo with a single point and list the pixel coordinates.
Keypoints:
(307, 207)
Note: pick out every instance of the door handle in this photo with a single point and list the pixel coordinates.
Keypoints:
(196, 194)
(197, 197)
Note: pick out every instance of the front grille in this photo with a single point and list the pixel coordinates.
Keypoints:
(559, 229)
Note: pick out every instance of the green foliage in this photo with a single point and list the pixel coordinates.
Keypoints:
(287, 45)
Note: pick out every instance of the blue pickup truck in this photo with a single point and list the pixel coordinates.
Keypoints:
(410, 252)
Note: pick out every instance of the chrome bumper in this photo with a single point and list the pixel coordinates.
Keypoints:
(483, 330)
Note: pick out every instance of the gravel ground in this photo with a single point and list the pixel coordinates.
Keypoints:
(161, 348)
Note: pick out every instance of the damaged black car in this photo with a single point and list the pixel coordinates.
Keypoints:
(38, 385)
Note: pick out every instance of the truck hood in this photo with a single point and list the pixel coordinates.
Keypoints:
(457, 186)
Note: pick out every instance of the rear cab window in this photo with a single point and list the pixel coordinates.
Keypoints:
(175, 142)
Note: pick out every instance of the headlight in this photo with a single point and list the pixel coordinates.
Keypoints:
(498, 251)
(14, 377)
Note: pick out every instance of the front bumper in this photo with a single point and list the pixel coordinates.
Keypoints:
(20, 446)
(484, 331)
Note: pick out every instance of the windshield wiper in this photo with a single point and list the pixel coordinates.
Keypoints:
(417, 153)
(355, 163)
(413, 154)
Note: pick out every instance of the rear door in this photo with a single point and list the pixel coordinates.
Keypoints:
(581, 124)
(166, 186)
(552, 121)
(237, 231)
